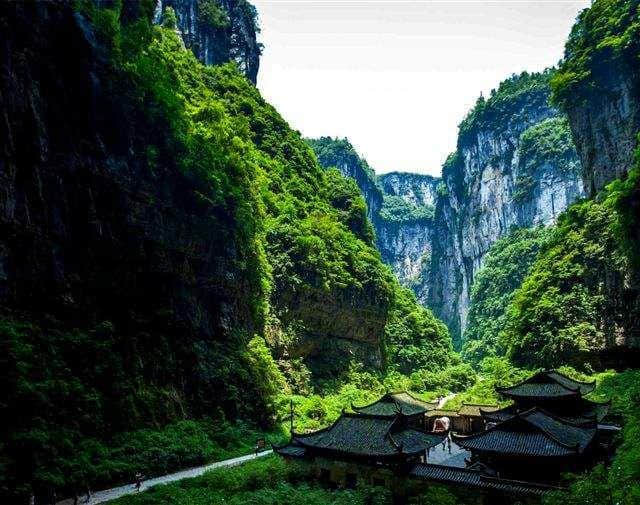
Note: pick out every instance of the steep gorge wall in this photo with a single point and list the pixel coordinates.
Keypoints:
(217, 31)
(598, 86)
(417, 189)
(515, 166)
(100, 226)
(403, 239)
(495, 182)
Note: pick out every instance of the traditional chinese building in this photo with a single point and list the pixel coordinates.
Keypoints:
(517, 452)
(366, 447)
(549, 429)
(469, 418)
(553, 392)
(392, 404)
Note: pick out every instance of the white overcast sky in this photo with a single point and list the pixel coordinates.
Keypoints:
(397, 77)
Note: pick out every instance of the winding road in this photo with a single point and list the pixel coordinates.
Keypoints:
(117, 492)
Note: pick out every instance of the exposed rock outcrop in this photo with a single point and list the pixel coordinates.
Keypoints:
(406, 247)
(405, 240)
(605, 128)
(218, 31)
(417, 189)
(515, 166)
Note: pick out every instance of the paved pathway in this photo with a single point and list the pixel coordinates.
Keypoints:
(117, 492)
(451, 454)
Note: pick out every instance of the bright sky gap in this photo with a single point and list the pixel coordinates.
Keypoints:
(397, 77)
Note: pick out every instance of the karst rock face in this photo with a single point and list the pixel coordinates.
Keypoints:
(502, 175)
(91, 230)
(217, 31)
(406, 244)
(515, 166)
(418, 189)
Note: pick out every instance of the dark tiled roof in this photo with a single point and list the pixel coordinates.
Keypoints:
(549, 384)
(532, 433)
(497, 416)
(593, 409)
(584, 387)
(392, 403)
(586, 412)
(473, 478)
(473, 409)
(365, 435)
(560, 430)
(511, 442)
(291, 450)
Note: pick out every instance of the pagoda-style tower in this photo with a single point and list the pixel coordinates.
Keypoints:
(549, 429)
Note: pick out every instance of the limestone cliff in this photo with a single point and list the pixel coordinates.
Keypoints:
(515, 165)
(404, 230)
(217, 31)
(418, 189)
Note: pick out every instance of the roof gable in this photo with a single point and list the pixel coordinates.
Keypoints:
(391, 404)
(365, 435)
(585, 412)
(534, 433)
(548, 384)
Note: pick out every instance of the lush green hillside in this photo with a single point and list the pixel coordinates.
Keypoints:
(517, 96)
(567, 308)
(290, 248)
(606, 36)
(507, 263)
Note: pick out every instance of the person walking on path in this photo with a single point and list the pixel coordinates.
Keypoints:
(139, 478)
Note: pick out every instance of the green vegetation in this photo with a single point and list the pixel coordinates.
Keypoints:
(565, 310)
(64, 400)
(270, 481)
(293, 237)
(605, 38)
(549, 141)
(514, 98)
(492, 372)
(398, 210)
(546, 142)
(507, 263)
(333, 151)
(414, 338)
(169, 19)
(441, 189)
(212, 15)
